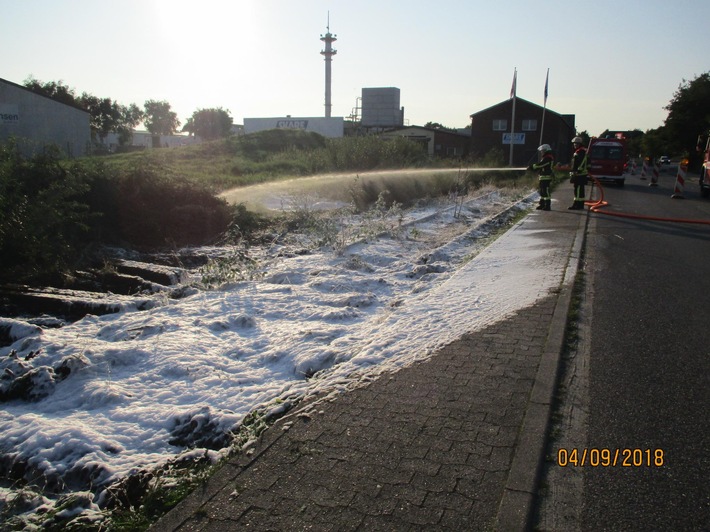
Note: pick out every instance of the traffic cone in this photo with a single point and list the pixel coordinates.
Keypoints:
(680, 180)
(644, 169)
(654, 176)
(633, 167)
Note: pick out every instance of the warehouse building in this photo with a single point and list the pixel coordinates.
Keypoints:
(36, 122)
(442, 143)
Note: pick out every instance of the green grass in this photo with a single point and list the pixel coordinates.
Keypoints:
(270, 155)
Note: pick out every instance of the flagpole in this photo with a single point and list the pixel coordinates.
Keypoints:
(544, 106)
(512, 120)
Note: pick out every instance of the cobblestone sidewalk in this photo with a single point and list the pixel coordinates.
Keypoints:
(453, 442)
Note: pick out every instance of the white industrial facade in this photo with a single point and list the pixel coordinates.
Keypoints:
(36, 121)
(328, 127)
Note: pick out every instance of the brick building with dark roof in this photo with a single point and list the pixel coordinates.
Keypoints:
(490, 129)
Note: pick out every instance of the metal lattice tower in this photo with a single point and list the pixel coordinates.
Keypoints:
(328, 53)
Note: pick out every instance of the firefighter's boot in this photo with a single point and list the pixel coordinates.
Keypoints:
(547, 205)
(541, 206)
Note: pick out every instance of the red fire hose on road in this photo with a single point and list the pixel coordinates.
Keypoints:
(596, 206)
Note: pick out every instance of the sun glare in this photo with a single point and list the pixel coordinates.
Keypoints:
(208, 44)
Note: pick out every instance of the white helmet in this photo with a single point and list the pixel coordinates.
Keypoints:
(577, 140)
(544, 148)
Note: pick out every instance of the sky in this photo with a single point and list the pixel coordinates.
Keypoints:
(139, 378)
(614, 64)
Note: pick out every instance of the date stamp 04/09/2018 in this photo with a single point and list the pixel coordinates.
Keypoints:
(601, 457)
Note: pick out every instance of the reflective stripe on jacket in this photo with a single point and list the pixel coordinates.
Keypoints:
(544, 167)
(579, 161)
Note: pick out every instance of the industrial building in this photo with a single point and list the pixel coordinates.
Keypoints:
(491, 129)
(436, 142)
(328, 127)
(381, 109)
(36, 121)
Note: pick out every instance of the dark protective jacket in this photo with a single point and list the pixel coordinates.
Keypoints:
(579, 162)
(544, 167)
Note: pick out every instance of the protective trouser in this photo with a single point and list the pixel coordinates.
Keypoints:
(545, 195)
(579, 182)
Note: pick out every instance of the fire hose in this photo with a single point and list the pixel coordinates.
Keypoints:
(597, 206)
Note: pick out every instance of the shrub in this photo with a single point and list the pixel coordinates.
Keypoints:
(44, 217)
(52, 211)
(370, 152)
(258, 146)
(157, 210)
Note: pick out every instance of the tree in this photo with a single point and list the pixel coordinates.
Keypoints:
(209, 124)
(56, 90)
(634, 143)
(107, 116)
(654, 143)
(160, 120)
(688, 117)
(435, 125)
(131, 116)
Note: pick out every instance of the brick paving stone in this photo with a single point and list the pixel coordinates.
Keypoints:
(457, 447)
(429, 447)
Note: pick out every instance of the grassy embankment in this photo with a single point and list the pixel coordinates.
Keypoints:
(53, 212)
(284, 154)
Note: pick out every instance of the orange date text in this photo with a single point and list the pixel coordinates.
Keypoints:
(599, 457)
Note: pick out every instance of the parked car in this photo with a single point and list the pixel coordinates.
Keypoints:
(664, 159)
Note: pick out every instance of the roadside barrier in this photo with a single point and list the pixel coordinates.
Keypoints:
(596, 206)
(644, 169)
(680, 182)
(633, 167)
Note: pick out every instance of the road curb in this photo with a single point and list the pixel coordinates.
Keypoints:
(516, 508)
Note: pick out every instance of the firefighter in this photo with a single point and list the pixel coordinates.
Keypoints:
(578, 175)
(545, 175)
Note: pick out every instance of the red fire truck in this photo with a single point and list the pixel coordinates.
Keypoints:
(607, 157)
(704, 147)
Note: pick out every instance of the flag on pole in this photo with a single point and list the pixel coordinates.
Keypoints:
(547, 78)
(544, 107)
(512, 118)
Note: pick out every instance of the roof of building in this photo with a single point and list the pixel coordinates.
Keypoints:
(547, 109)
(22, 87)
(436, 130)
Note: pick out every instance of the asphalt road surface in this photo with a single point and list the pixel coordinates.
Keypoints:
(648, 391)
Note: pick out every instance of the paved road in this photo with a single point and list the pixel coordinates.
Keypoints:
(646, 370)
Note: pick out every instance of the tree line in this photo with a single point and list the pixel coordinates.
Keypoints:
(109, 116)
(688, 117)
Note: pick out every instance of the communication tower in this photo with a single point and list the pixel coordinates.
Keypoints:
(328, 54)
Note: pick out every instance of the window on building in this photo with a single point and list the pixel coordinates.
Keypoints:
(452, 151)
(500, 125)
(529, 125)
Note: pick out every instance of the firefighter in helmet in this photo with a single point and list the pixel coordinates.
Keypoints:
(578, 175)
(545, 175)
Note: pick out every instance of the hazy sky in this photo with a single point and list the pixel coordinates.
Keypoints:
(613, 63)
